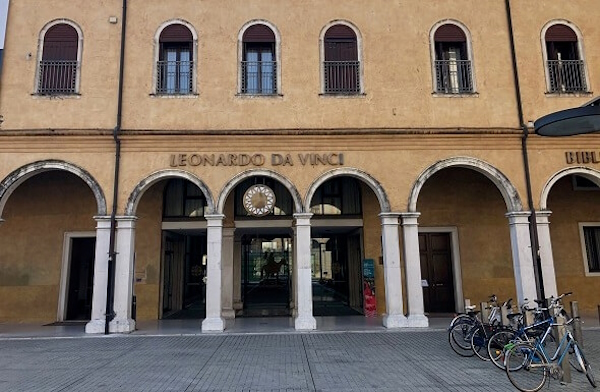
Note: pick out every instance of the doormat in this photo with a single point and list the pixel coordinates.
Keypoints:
(67, 323)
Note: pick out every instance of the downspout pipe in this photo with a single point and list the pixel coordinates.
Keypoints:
(112, 254)
(535, 252)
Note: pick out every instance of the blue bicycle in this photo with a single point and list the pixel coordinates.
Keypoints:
(528, 364)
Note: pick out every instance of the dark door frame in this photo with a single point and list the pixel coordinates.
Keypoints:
(456, 265)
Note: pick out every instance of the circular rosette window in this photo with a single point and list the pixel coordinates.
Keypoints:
(259, 200)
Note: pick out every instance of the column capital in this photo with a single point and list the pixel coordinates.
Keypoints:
(102, 222)
(302, 218)
(125, 218)
(543, 216)
(409, 218)
(389, 218)
(1, 221)
(214, 220)
(100, 218)
(516, 217)
(126, 222)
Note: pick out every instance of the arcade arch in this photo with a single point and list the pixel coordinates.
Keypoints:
(461, 210)
(49, 209)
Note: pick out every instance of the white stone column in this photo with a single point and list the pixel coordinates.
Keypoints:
(547, 259)
(302, 270)
(227, 274)
(214, 231)
(520, 243)
(394, 317)
(124, 275)
(98, 319)
(412, 261)
(237, 274)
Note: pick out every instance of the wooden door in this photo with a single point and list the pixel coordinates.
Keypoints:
(436, 272)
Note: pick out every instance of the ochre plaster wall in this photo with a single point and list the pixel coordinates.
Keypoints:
(569, 208)
(148, 252)
(395, 53)
(467, 200)
(37, 215)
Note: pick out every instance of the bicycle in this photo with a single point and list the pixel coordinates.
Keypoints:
(528, 365)
(463, 327)
(484, 331)
(498, 341)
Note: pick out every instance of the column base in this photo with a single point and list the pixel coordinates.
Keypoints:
(122, 326)
(228, 314)
(213, 324)
(238, 305)
(395, 321)
(305, 323)
(418, 321)
(95, 326)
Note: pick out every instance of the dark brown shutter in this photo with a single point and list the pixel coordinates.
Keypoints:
(340, 32)
(449, 33)
(176, 33)
(258, 33)
(60, 43)
(560, 33)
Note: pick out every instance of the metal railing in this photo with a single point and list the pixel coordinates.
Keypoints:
(566, 76)
(174, 77)
(259, 77)
(342, 77)
(58, 77)
(453, 76)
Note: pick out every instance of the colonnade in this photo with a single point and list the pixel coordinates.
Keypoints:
(220, 292)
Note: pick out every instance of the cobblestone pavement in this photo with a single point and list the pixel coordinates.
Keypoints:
(340, 361)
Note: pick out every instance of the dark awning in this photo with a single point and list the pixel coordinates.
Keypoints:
(569, 122)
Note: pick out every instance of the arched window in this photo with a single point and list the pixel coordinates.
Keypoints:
(341, 65)
(175, 66)
(258, 65)
(452, 62)
(59, 65)
(564, 65)
(183, 199)
(338, 196)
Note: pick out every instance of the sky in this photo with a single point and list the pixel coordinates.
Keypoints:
(3, 11)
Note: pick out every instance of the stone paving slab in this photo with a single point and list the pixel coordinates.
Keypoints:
(336, 362)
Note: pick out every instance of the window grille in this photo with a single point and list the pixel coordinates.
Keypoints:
(453, 76)
(58, 77)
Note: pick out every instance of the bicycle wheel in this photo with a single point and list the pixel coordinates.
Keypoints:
(526, 367)
(585, 365)
(459, 338)
(496, 347)
(461, 319)
(479, 343)
(573, 361)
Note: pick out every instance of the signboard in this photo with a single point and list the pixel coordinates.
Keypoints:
(369, 301)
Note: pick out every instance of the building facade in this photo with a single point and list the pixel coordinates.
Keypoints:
(301, 159)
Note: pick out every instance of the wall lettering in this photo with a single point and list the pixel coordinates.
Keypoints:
(582, 157)
(302, 159)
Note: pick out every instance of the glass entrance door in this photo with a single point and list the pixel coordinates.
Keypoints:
(266, 275)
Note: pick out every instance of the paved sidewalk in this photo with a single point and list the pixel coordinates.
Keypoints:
(375, 360)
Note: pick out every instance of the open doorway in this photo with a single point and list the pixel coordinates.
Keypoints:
(78, 278)
(336, 274)
(266, 275)
(183, 271)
